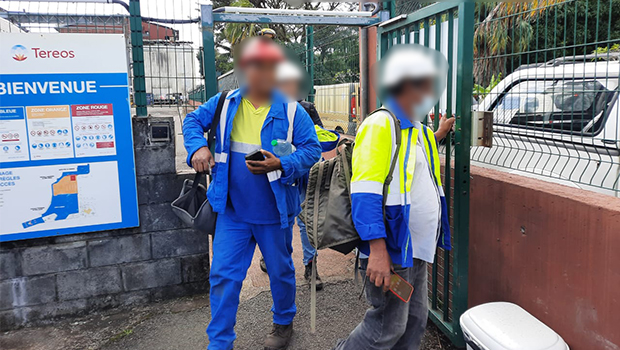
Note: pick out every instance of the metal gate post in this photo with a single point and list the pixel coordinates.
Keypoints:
(448, 294)
(137, 53)
(465, 58)
(208, 51)
(310, 60)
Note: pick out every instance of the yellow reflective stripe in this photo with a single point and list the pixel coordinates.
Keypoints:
(325, 135)
(367, 187)
(433, 152)
(411, 161)
(373, 148)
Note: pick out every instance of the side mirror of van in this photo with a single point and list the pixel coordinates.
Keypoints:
(482, 128)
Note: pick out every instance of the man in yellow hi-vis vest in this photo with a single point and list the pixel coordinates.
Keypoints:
(402, 239)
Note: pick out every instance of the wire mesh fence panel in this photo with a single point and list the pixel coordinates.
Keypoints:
(170, 40)
(549, 72)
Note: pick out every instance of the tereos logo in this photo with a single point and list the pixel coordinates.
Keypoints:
(19, 52)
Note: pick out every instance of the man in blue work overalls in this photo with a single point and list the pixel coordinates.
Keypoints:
(256, 201)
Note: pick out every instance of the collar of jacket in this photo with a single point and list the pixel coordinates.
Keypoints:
(278, 100)
(405, 123)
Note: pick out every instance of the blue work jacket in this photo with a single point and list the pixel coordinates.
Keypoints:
(283, 183)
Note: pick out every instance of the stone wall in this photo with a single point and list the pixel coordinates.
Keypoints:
(48, 278)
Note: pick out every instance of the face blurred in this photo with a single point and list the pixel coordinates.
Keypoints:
(290, 88)
(416, 90)
(260, 76)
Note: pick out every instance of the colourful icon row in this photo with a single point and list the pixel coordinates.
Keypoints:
(51, 145)
(94, 137)
(6, 148)
(48, 132)
(92, 127)
(85, 145)
(10, 136)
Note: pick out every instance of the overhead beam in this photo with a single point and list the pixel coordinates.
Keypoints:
(294, 19)
(62, 19)
(294, 12)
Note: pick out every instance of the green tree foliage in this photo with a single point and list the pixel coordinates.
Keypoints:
(572, 29)
(509, 35)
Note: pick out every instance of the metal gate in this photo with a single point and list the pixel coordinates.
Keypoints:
(449, 28)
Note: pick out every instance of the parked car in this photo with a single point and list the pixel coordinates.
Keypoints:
(169, 99)
(558, 121)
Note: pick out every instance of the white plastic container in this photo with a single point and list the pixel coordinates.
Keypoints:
(506, 326)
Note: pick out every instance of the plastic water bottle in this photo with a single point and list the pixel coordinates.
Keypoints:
(282, 148)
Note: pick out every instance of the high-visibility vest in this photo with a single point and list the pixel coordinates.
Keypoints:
(372, 155)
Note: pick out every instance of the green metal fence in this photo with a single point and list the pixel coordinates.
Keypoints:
(549, 72)
(163, 43)
(332, 59)
(447, 27)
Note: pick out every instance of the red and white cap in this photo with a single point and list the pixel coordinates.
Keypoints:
(260, 50)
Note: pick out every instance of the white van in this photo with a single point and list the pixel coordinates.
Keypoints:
(558, 121)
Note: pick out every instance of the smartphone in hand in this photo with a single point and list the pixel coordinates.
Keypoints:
(401, 288)
(256, 155)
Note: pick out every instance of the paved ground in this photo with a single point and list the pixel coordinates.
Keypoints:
(339, 312)
(180, 323)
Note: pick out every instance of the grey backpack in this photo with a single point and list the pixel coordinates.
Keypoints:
(327, 208)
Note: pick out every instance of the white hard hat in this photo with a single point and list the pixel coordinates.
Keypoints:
(288, 71)
(408, 62)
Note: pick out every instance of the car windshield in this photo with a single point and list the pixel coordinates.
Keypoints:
(557, 105)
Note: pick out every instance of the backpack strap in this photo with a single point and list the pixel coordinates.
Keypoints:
(219, 110)
(290, 114)
(397, 138)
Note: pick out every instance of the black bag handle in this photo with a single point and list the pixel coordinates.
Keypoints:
(197, 179)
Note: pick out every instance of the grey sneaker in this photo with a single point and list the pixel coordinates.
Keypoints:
(263, 266)
(279, 337)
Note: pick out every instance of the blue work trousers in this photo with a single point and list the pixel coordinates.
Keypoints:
(308, 249)
(233, 249)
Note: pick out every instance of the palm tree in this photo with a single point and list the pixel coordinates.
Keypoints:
(506, 30)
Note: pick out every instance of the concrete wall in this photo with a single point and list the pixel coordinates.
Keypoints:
(48, 278)
(551, 249)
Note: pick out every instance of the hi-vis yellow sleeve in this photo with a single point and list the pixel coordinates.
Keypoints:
(372, 154)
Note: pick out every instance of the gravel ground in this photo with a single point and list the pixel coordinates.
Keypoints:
(340, 311)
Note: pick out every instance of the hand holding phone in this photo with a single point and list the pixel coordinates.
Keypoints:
(256, 155)
(262, 162)
(400, 287)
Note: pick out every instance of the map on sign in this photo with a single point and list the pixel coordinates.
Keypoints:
(64, 197)
(60, 196)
